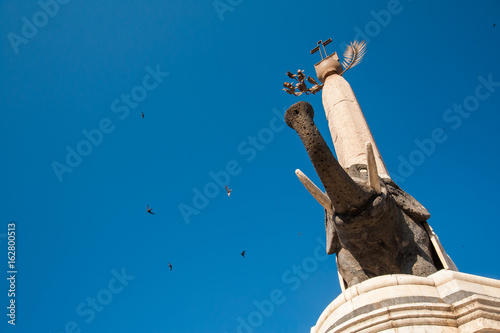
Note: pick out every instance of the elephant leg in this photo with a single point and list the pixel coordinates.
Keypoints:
(349, 268)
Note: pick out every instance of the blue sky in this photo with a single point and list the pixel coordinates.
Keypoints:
(209, 82)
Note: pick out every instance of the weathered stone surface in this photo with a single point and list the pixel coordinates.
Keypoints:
(342, 190)
(328, 66)
(446, 301)
(348, 126)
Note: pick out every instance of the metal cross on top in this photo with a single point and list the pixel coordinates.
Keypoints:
(317, 48)
(353, 55)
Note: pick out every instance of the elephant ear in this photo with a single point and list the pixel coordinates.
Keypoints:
(406, 202)
(332, 239)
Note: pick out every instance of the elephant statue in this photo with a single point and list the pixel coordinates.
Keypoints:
(373, 226)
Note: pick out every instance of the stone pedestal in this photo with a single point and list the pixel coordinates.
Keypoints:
(446, 301)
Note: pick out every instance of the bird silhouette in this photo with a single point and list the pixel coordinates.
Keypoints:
(228, 191)
(142, 115)
(243, 254)
(149, 211)
(169, 265)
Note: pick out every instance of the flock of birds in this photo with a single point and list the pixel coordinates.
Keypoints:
(148, 209)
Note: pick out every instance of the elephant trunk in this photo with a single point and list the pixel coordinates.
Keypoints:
(346, 195)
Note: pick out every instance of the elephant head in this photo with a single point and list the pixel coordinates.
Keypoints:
(372, 226)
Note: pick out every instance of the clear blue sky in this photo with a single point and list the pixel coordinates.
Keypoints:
(210, 85)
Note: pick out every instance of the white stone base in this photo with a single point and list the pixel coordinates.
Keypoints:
(446, 301)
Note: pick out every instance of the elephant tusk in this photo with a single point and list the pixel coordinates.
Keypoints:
(321, 197)
(373, 179)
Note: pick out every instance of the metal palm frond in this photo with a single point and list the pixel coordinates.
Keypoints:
(353, 54)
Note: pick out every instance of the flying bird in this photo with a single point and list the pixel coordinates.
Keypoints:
(228, 191)
(170, 265)
(142, 115)
(149, 211)
(243, 254)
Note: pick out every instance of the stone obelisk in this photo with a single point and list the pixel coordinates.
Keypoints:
(348, 126)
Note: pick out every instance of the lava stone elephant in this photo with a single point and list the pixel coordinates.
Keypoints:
(374, 228)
